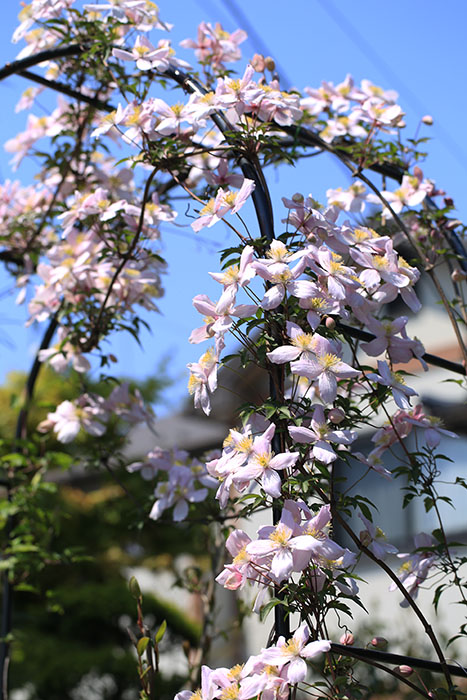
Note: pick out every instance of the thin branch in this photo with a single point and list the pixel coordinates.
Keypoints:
(388, 657)
(425, 624)
(435, 360)
(94, 336)
(65, 90)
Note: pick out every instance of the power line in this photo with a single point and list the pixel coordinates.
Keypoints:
(255, 39)
(455, 149)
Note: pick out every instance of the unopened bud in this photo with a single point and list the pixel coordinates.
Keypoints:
(258, 63)
(458, 275)
(336, 415)
(404, 670)
(135, 590)
(365, 539)
(330, 323)
(427, 119)
(270, 63)
(112, 358)
(297, 198)
(379, 642)
(448, 201)
(402, 124)
(348, 639)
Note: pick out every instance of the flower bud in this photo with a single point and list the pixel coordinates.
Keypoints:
(298, 198)
(404, 670)
(458, 275)
(135, 590)
(348, 639)
(270, 63)
(365, 539)
(258, 63)
(427, 119)
(402, 124)
(336, 415)
(379, 642)
(330, 323)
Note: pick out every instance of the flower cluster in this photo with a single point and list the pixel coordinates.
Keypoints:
(309, 302)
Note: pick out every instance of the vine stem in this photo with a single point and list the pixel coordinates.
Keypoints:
(94, 336)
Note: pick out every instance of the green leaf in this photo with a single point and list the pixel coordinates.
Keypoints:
(266, 609)
(142, 645)
(160, 632)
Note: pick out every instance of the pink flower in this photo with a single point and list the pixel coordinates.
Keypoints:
(415, 568)
(431, 424)
(149, 57)
(237, 275)
(236, 574)
(375, 539)
(282, 280)
(294, 652)
(217, 320)
(290, 550)
(206, 692)
(303, 345)
(264, 466)
(321, 435)
(203, 379)
(224, 202)
(214, 46)
(352, 199)
(178, 491)
(394, 380)
(327, 367)
(87, 412)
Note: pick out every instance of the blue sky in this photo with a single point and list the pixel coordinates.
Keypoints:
(416, 48)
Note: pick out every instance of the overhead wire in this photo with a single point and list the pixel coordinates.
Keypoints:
(356, 37)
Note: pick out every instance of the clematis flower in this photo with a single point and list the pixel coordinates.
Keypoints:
(203, 379)
(286, 548)
(263, 465)
(224, 202)
(178, 491)
(69, 417)
(394, 380)
(327, 367)
(149, 57)
(416, 566)
(294, 652)
(320, 435)
(237, 275)
(352, 199)
(205, 692)
(236, 574)
(375, 539)
(215, 46)
(217, 321)
(282, 280)
(302, 346)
